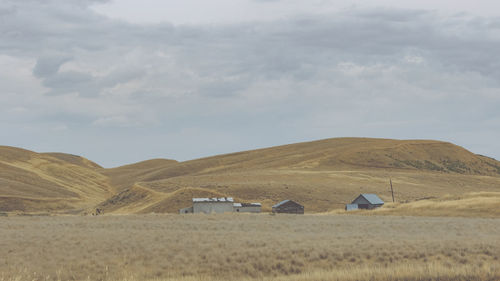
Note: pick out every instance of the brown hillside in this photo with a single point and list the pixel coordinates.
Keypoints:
(38, 182)
(323, 175)
(326, 174)
(74, 159)
(125, 176)
(138, 199)
(341, 154)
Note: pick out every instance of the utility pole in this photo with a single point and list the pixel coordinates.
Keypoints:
(392, 191)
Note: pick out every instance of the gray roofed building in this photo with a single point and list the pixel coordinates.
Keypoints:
(367, 201)
(247, 207)
(281, 203)
(372, 198)
(289, 207)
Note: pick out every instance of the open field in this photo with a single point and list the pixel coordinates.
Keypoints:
(245, 246)
(474, 204)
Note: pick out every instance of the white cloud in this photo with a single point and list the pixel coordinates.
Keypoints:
(413, 59)
(235, 11)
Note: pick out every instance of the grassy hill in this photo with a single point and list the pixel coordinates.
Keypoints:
(126, 176)
(323, 175)
(326, 174)
(38, 182)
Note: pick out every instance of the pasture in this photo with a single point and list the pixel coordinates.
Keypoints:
(248, 247)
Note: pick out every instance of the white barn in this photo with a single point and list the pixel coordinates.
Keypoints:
(365, 201)
(220, 205)
(209, 206)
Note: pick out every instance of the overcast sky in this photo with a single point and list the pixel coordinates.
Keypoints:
(125, 81)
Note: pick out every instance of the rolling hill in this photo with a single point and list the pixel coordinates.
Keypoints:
(323, 175)
(50, 182)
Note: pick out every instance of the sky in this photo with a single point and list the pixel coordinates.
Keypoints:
(124, 81)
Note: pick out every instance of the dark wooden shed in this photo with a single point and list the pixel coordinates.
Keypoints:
(288, 207)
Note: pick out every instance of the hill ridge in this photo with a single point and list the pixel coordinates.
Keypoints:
(321, 174)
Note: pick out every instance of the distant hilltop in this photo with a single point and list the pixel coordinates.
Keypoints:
(323, 175)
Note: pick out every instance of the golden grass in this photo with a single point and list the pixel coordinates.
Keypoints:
(474, 204)
(322, 175)
(400, 272)
(37, 182)
(248, 247)
(322, 191)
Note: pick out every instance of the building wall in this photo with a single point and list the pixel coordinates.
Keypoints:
(351, 207)
(290, 208)
(212, 207)
(364, 204)
(249, 209)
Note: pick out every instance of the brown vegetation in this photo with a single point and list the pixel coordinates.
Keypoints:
(248, 246)
(476, 204)
(321, 175)
(37, 182)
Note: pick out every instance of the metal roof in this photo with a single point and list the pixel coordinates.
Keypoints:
(247, 204)
(251, 204)
(372, 198)
(222, 199)
(283, 202)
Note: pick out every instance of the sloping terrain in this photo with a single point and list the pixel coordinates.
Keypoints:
(341, 154)
(74, 159)
(37, 182)
(325, 175)
(474, 204)
(126, 176)
(142, 200)
(322, 175)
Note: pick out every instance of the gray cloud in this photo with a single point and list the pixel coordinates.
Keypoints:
(49, 65)
(359, 72)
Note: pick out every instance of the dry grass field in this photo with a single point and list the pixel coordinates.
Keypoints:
(444, 225)
(475, 204)
(472, 205)
(248, 247)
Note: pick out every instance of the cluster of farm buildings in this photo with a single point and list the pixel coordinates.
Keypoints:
(227, 205)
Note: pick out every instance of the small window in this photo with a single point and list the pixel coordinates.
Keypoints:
(237, 210)
(186, 211)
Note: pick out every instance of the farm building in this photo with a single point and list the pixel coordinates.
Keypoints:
(209, 205)
(289, 207)
(220, 205)
(247, 207)
(365, 201)
(351, 207)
